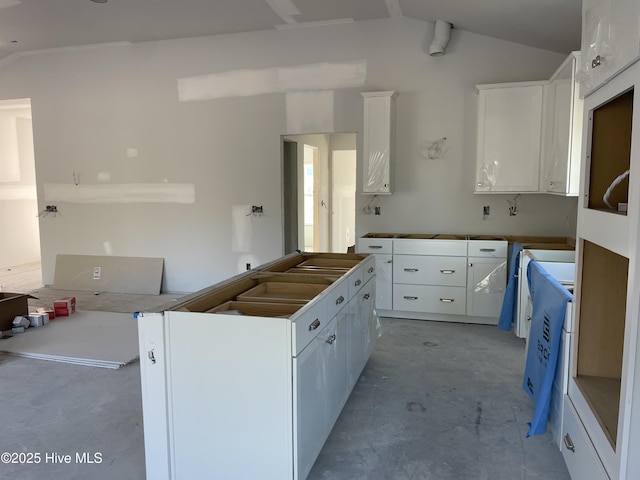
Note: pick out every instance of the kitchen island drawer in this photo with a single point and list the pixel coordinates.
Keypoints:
(308, 323)
(429, 299)
(430, 270)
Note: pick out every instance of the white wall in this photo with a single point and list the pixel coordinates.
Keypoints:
(90, 105)
(19, 240)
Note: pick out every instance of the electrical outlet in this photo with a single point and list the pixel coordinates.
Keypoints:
(486, 210)
(51, 208)
(257, 210)
(377, 210)
(248, 266)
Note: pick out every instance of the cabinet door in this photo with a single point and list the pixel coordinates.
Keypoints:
(609, 40)
(564, 132)
(370, 319)
(487, 278)
(509, 138)
(337, 348)
(310, 403)
(384, 283)
(378, 142)
(359, 332)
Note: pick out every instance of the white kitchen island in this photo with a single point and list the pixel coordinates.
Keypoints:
(246, 379)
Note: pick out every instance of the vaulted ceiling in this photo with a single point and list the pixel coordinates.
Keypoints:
(42, 24)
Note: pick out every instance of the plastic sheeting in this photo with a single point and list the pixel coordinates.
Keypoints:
(493, 282)
(378, 177)
(508, 312)
(550, 300)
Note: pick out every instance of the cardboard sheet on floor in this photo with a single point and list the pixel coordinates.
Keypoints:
(99, 339)
(96, 273)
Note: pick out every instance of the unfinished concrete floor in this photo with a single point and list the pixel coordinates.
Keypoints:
(436, 401)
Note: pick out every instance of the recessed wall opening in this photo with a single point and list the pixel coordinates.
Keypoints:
(319, 187)
(20, 242)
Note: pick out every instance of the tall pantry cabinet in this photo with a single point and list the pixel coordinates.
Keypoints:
(601, 425)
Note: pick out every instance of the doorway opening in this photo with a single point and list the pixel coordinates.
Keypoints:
(319, 187)
(20, 246)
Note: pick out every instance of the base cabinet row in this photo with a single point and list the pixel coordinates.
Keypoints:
(445, 279)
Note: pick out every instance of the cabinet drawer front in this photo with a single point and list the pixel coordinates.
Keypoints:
(368, 269)
(338, 296)
(581, 458)
(308, 323)
(429, 299)
(375, 245)
(428, 270)
(490, 248)
(457, 248)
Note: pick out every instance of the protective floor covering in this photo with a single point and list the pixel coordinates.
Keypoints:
(98, 339)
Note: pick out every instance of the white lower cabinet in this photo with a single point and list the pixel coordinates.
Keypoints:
(381, 247)
(312, 399)
(486, 283)
(446, 277)
(254, 395)
(581, 458)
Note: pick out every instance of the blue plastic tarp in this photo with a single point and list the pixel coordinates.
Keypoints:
(550, 300)
(508, 312)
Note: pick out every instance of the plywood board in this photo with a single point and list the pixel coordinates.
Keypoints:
(100, 339)
(601, 319)
(140, 275)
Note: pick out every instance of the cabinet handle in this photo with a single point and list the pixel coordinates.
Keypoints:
(410, 298)
(471, 264)
(315, 324)
(411, 270)
(358, 282)
(447, 272)
(371, 269)
(366, 296)
(479, 184)
(487, 249)
(596, 62)
(447, 300)
(339, 300)
(375, 246)
(331, 339)
(389, 261)
(568, 443)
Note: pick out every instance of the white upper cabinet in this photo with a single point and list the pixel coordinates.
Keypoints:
(509, 137)
(379, 120)
(610, 40)
(563, 128)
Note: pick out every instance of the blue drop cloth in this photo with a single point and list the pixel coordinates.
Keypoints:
(508, 312)
(550, 300)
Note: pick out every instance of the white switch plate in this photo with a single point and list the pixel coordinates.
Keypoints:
(96, 273)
